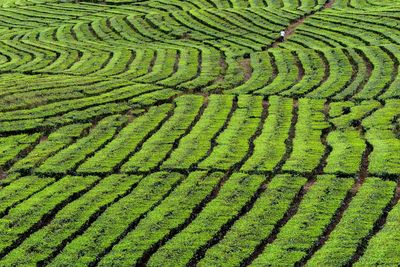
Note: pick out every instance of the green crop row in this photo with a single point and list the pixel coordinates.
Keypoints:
(196, 26)
(173, 212)
(89, 63)
(117, 63)
(357, 112)
(237, 72)
(381, 76)
(347, 149)
(117, 220)
(241, 240)
(158, 145)
(69, 220)
(233, 143)
(94, 112)
(383, 248)
(261, 32)
(30, 212)
(371, 30)
(21, 189)
(357, 4)
(367, 19)
(381, 133)
(39, 57)
(383, 118)
(38, 14)
(236, 33)
(393, 90)
(181, 248)
(152, 98)
(64, 61)
(315, 212)
(287, 73)
(193, 147)
(350, 32)
(67, 159)
(125, 142)
(210, 70)
(54, 142)
(39, 97)
(307, 146)
(269, 22)
(385, 158)
(29, 83)
(313, 66)
(262, 72)
(340, 72)
(337, 109)
(355, 224)
(89, 114)
(18, 57)
(69, 105)
(163, 66)
(187, 68)
(121, 25)
(12, 145)
(309, 38)
(270, 145)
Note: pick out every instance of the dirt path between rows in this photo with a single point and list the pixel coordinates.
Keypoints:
(290, 30)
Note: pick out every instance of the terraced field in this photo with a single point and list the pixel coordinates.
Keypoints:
(187, 133)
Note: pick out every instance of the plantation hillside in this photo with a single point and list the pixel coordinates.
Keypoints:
(191, 133)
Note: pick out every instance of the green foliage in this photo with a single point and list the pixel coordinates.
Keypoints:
(380, 76)
(195, 145)
(233, 143)
(383, 248)
(233, 195)
(256, 225)
(187, 68)
(303, 229)
(116, 219)
(337, 109)
(385, 158)
(209, 70)
(307, 146)
(340, 73)
(359, 218)
(287, 73)
(55, 142)
(67, 159)
(381, 133)
(125, 142)
(30, 212)
(270, 145)
(357, 112)
(159, 144)
(313, 66)
(169, 215)
(360, 72)
(60, 107)
(262, 71)
(69, 220)
(21, 189)
(347, 149)
(12, 145)
(197, 87)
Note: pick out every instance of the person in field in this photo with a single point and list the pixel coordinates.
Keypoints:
(283, 33)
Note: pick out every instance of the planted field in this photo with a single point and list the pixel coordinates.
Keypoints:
(188, 133)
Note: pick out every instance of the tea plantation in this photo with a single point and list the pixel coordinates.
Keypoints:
(200, 133)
